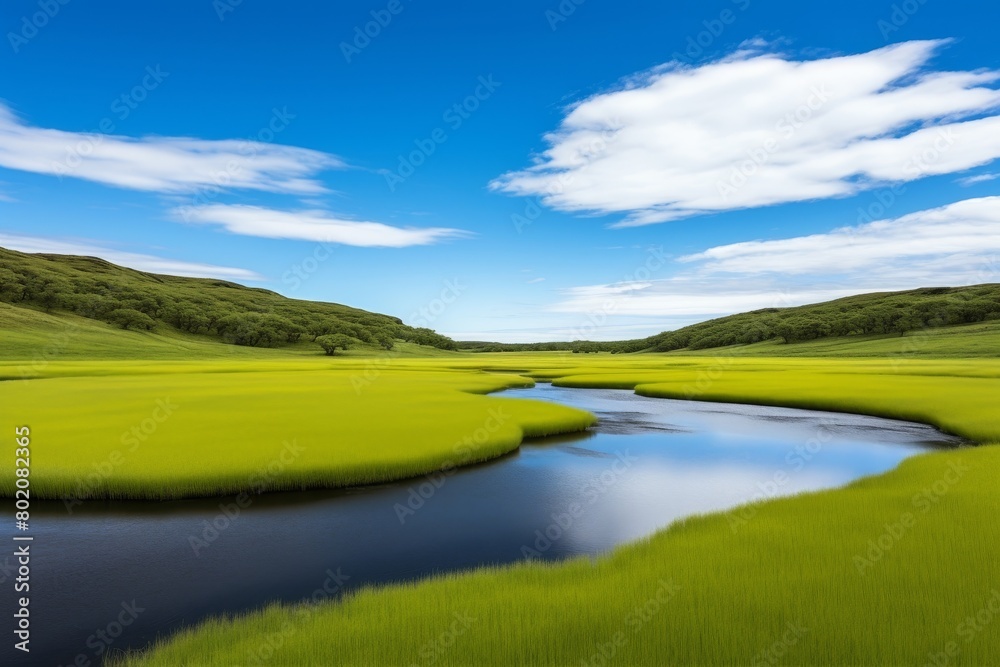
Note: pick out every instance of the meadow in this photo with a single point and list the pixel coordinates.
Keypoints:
(892, 569)
(147, 430)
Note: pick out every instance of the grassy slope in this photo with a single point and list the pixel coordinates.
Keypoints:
(170, 305)
(963, 341)
(741, 578)
(34, 338)
(876, 315)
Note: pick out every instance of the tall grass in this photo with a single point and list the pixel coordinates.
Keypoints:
(783, 588)
(154, 431)
(886, 571)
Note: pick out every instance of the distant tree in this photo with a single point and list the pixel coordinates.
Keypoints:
(333, 342)
(385, 340)
(11, 289)
(130, 318)
(293, 332)
(907, 322)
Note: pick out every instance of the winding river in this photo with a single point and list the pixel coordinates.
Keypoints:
(118, 575)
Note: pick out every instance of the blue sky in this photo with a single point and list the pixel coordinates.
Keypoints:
(610, 170)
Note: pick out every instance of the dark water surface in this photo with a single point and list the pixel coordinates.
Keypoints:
(121, 574)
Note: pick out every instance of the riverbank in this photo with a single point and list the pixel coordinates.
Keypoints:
(883, 571)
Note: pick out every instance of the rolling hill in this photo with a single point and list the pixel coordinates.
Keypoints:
(823, 328)
(43, 296)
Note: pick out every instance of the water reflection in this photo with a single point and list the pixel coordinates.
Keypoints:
(649, 462)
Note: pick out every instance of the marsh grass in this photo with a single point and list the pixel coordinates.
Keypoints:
(157, 431)
(885, 571)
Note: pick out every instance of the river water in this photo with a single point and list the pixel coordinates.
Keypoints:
(113, 575)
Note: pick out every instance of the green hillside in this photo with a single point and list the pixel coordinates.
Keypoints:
(48, 294)
(867, 323)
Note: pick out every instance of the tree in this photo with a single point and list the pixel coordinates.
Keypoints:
(907, 322)
(333, 342)
(130, 318)
(11, 289)
(385, 340)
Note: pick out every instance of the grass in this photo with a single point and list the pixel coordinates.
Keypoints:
(34, 338)
(782, 589)
(885, 571)
(957, 341)
(153, 431)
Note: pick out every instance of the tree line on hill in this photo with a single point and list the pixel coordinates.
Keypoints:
(234, 313)
(866, 314)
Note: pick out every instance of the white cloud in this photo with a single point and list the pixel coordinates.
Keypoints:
(958, 244)
(966, 228)
(687, 299)
(979, 178)
(141, 262)
(759, 129)
(161, 164)
(311, 226)
(536, 280)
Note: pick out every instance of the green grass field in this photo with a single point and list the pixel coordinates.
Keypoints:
(893, 569)
(167, 430)
(883, 572)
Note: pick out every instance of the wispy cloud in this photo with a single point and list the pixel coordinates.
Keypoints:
(958, 244)
(969, 227)
(979, 178)
(142, 262)
(685, 299)
(312, 225)
(757, 129)
(169, 165)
